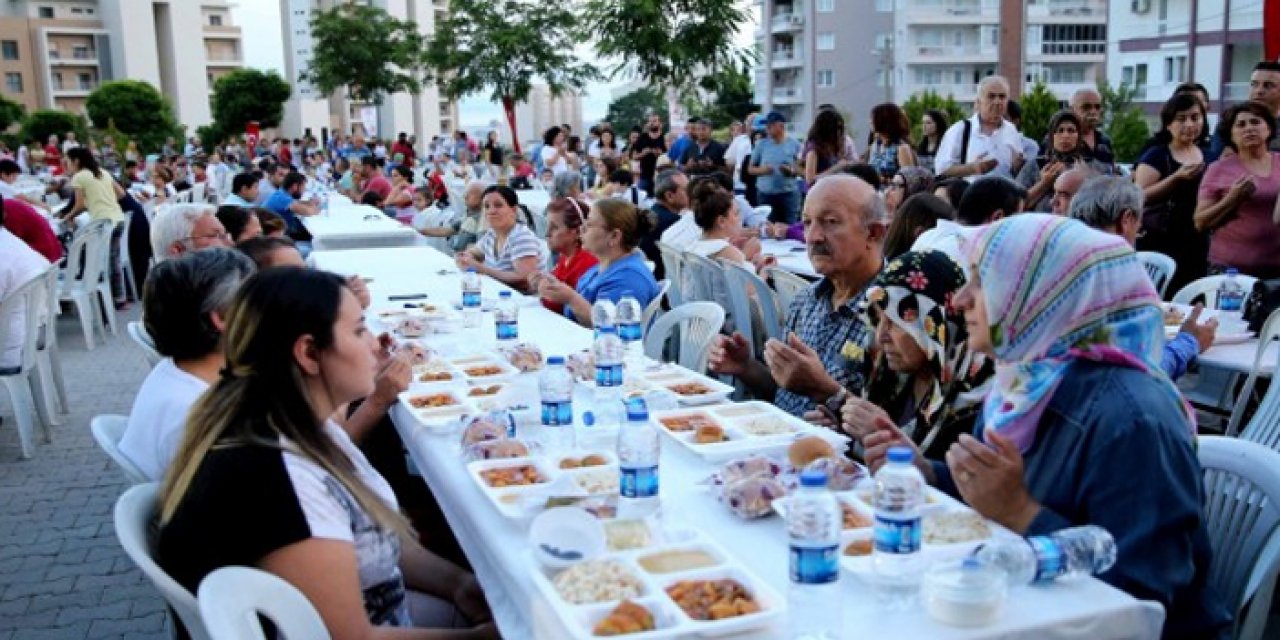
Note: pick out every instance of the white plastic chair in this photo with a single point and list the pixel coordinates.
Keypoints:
(1160, 267)
(655, 305)
(105, 297)
(673, 267)
(126, 264)
(80, 277)
(138, 332)
(1208, 287)
(1241, 516)
(183, 197)
(48, 359)
(232, 598)
(134, 513)
(108, 430)
(742, 284)
(788, 285)
(699, 323)
(27, 394)
(198, 191)
(1264, 427)
(701, 275)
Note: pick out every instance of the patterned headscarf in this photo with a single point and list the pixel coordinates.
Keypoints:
(1055, 291)
(917, 180)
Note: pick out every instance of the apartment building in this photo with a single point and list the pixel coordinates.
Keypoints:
(815, 52)
(948, 46)
(543, 111)
(426, 114)
(1157, 44)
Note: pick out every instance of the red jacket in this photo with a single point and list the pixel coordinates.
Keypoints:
(22, 220)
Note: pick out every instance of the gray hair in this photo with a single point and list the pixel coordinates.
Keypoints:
(874, 210)
(987, 81)
(1079, 93)
(564, 182)
(666, 183)
(181, 294)
(175, 225)
(1101, 201)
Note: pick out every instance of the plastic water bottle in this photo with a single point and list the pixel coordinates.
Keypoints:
(638, 454)
(471, 299)
(506, 317)
(555, 385)
(898, 529)
(629, 316)
(813, 526)
(1075, 551)
(603, 314)
(1230, 293)
(607, 410)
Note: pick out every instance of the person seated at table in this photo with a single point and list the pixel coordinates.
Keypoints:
(400, 203)
(951, 190)
(9, 173)
(267, 252)
(272, 224)
(548, 180)
(344, 176)
(30, 227)
(612, 233)
(240, 223)
(1062, 444)
(20, 265)
(244, 191)
(287, 203)
(372, 180)
(985, 200)
(509, 251)
(564, 239)
(260, 450)
(464, 231)
(844, 226)
(184, 308)
(670, 200)
(921, 375)
(1114, 205)
(604, 167)
(463, 169)
(916, 215)
(186, 227)
(567, 184)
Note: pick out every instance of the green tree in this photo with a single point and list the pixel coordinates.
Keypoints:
(246, 95)
(732, 95)
(42, 123)
(366, 50)
(671, 44)
(632, 109)
(1123, 121)
(136, 109)
(1038, 106)
(918, 103)
(10, 112)
(504, 45)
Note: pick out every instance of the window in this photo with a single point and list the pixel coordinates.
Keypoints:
(9, 49)
(77, 10)
(826, 6)
(1175, 69)
(13, 82)
(882, 41)
(86, 81)
(826, 78)
(80, 52)
(57, 80)
(45, 12)
(215, 21)
(826, 41)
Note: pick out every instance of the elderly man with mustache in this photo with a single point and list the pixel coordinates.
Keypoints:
(844, 225)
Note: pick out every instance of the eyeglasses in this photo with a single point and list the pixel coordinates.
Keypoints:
(209, 236)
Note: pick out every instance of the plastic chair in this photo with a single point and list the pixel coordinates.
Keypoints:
(138, 332)
(788, 285)
(1241, 515)
(699, 323)
(80, 277)
(742, 284)
(134, 513)
(105, 297)
(673, 265)
(1208, 287)
(701, 275)
(108, 430)
(126, 265)
(48, 359)
(183, 197)
(232, 598)
(198, 192)
(1264, 427)
(655, 305)
(1160, 267)
(26, 391)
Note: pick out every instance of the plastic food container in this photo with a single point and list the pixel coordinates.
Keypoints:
(964, 593)
(564, 536)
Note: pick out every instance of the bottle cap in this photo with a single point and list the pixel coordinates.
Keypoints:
(900, 454)
(1232, 271)
(504, 294)
(471, 269)
(813, 478)
(608, 329)
(553, 360)
(588, 419)
(637, 410)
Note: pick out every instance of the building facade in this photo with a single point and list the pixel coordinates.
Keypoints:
(1157, 44)
(53, 53)
(543, 111)
(307, 112)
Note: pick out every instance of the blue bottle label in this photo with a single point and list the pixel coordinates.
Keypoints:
(507, 330)
(1049, 561)
(630, 332)
(557, 412)
(609, 375)
(471, 299)
(814, 564)
(897, 536)
(639, 482)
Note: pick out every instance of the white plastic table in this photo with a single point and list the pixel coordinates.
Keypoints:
(497, 547)
(353, 226)
(791, 254)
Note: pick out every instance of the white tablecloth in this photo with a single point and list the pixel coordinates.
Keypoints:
(791, 254)
(356, 226)
(497, 547)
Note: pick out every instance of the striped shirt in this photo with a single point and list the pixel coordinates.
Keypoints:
(521, 243)
(827, 331)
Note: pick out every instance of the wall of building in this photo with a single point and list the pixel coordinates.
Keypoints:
(15, 32)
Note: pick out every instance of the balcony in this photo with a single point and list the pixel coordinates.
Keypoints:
(951, 11)
(78, 58)
(961, 92)
(1235, 91)
(787, 95)
(786, 59)
(786, 22)
(224, 61)
(924, 53)
(1068, 10)
(71, 90)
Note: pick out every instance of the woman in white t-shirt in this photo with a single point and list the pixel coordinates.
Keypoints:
(716, 213)
(264, 479)
(554, 155)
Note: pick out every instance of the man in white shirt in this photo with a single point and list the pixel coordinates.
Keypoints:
(985, 201)
(739, 150)
(70, 143)
(994, 146)
(184, 310)
(20, 265)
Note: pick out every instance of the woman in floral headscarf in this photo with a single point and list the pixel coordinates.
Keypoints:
(923, 378)
(1081, 425)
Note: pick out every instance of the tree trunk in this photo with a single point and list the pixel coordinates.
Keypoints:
(509, 105)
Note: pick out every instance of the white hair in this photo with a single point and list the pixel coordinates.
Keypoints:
(175, 224)
(1079, 93)
(990, 80)
(1103, 200)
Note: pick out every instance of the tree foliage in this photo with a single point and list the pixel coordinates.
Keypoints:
(42, 123)
(136, 109)
(918, 103)
(365, 50)
(246, 95)
(503, 46)
(632, 109)
(669, 43)
(1123, 121)
(10, 112)
(1038, 106)
(732, 96)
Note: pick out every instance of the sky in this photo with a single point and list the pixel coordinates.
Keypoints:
(259, 21)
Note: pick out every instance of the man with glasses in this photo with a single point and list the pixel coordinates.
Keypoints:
(186, 228)
(1087, 105)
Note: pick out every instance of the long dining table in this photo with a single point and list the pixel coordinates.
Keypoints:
(498, 547)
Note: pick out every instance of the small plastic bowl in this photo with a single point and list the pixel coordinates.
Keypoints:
(963, 593)
(564, 536)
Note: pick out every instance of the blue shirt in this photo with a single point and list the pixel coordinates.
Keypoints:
(828, 331)
(278, 203)
(628, 274)
(1178, 353)
(775, 154)
(678, 147)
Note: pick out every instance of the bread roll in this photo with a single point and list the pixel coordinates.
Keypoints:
(808, 449)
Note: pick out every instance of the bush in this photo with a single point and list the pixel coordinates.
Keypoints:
(10, 112)
(916, 105)
(42, 123)
(1038, 107)
(137, 110)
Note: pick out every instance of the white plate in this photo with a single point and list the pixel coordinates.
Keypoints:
(671, 375)
(439, 420)
(462, 363)
(513, 502)
(741, 441)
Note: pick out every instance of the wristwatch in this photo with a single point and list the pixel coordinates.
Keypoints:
(836, 401)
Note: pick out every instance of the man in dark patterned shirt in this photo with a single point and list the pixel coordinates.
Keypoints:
(844, 225)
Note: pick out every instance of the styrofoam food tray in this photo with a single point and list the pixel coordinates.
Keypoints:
(438, 420)
(462, 363)
(671, 375)
(526, 501)
(738, 420)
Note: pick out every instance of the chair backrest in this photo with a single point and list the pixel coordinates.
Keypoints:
(84, 263)
(539, 224)
(232, 598)
(1241, 516)
(1259, 429)
(744, 287)
(108, 430)
(51, 295)
(138, 332)
(198, 192)
(184, 197)
(788, 285)
(134, 512)
(1208, 287)
(673, 267)
(655, 305)
(699, 323)
(1160, 267)
(701, 275)
(30, 299)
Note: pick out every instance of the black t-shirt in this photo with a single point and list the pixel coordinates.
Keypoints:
(649, 244)
(649, 161)
(706, 160)
(495, 153)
